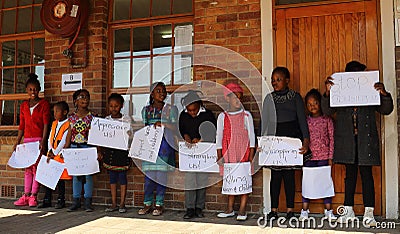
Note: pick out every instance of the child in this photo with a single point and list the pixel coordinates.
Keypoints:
(235, 141)
(321, 145)
(60, 138)
(33, 126)
(289, 120)
(158, 113)
(196, 124)
(80, 125)
(356, 126)
(114, 160)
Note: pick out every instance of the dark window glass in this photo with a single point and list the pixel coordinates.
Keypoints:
(161, 7)
(7, 81)
(38, 51)
(8, 53)
(162, 38)
(8, 26)
(24, 52)
(37, 23)
(7, 115)
(121, 9)
(140, 9)
(182, 6)
(9, 3)
(24, 20)
(22, 76)
(24, 2)
(141, 41)
(122, 41)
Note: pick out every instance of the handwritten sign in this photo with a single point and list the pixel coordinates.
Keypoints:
(279, 151)
(237, 179)
(146, 143)
(81, 161)
(354, 89)
(317, 182)
(109, 133)
(48, 174)
(200, 157)
(25, 155)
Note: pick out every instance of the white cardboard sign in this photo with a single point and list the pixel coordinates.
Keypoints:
(109, 133)
(71, 82)
(25, 155)
(317, 182)
(48, 174)
(237, 179)
(200, 157)
(82, 161)
(279, 151)
(354, 89)
(146, 143)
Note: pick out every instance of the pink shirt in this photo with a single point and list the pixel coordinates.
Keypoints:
(321, 137)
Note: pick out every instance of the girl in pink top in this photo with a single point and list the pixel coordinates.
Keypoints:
(321, 145)
(235, 141)
(33, 126)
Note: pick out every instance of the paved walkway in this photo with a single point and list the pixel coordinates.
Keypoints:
(49, 220)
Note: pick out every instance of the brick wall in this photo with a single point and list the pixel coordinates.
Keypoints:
(234, 24)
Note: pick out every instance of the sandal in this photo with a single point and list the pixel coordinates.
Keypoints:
(122, 210)
(111, 209)
(158, 211)
(145, 210)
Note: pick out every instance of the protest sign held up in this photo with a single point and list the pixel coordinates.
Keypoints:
(354, 89)
(200, 157)
(109, 133)
(82, 161)
(146, 143)
(279, 151)
(48, 174)
(237, 179)
(25, 155)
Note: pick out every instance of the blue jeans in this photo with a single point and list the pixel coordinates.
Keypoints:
(154, 180)
(85, 181)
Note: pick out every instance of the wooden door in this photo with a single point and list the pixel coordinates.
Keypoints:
(314, 41)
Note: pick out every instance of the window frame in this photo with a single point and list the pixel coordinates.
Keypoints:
(172, 19)
(15, 36)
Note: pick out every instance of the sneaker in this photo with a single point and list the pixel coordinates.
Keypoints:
(145, 210)
(368, 218)
(304, 215)
(32, 201)
(157, 211)
(226, 215)
(272, 215)
(348, 214)
(329, 215)
(289, 215)
(122, 210)
(241, 217)
(22, 201)
(190, 213)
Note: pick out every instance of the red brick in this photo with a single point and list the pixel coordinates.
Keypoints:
(225, 18)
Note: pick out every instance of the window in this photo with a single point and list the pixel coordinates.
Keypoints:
(150, 40)
(285, 2)
(22, 52)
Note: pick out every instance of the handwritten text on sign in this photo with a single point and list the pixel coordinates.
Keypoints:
(25, 155)
(199, 157)
(48, 174)
(146, 143)
(109, 133)
(81, 161)
(237, 179)
(279, 151)
(354, 89)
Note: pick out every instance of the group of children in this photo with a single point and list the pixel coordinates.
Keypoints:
(283, 114)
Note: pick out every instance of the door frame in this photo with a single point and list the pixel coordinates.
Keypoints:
(390, 167)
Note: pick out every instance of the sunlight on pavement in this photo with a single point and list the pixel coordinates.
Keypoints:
(12, 212)
(132, 225)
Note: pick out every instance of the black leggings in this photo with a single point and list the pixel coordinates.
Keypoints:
(367, 179)
(61, 191)
(275, 187)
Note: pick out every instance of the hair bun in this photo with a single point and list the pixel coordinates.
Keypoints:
(32, 76)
